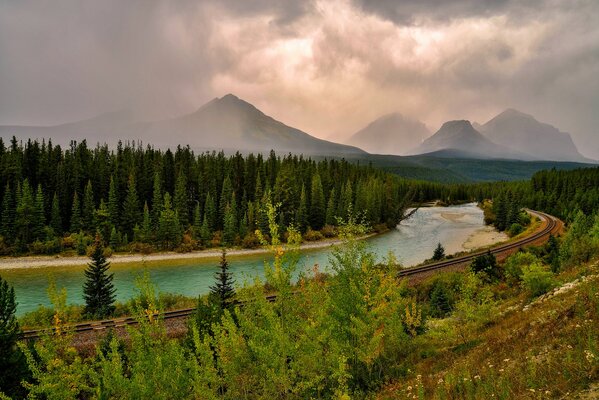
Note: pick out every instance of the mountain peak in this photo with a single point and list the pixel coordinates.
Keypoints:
(391, 133)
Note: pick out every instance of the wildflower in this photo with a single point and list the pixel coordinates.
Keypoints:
(570, 347)
(501, 370)
(589, 355)
(532, 390)
(477, 377)
(506, 359)
(440, 381)
(409, 388)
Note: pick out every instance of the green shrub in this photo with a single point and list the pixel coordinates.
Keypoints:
(312, 236)
(250, 241)
(515, 229)
(537, 279)
(328, 231)
(512, 268)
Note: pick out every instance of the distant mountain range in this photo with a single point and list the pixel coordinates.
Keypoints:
(510, 135)
(231, 124)
(226, 123)
(390, 134)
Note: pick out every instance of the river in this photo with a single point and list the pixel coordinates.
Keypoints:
(411, 242)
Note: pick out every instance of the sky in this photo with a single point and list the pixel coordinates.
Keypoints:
(326, 67)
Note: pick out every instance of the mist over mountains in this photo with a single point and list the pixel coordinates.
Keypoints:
(232, 124)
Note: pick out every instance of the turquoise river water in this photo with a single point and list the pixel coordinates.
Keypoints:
(412, 242)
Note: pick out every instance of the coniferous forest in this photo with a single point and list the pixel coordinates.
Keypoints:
(144, 199)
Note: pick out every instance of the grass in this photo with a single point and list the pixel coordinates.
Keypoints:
(549, 351)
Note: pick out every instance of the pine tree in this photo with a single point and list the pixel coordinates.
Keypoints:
(75, 214)
(225, 198)
(146, 225)
(131, 215)
(169, 231)
(301, 218)
(439, 253)
(156, 201)
(25, 223)
(114, 204)
(197, 222)
(210, 212)
(181, 205)
(205, 232)
(55, 217)
(11, 359)
(88, 208)
(317, 205)
(331, 209)
(223, 291)
(440, 303)
(102, 220)
(8, 214)
(98, 290)
(229, 226)
(39, 216)
(114, 239)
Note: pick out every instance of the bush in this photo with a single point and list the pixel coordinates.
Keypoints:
(47, 247)
(313, 236)
(328, 231)
(143, 248)
(217, 239)
(537, 280)
(250, 241)
(515, 229)
(512, 268)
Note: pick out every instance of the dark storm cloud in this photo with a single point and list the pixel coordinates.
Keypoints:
(328, 67)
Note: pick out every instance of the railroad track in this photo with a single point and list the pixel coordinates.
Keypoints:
(551, 225)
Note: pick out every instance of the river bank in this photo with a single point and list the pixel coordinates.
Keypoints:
(76, 261)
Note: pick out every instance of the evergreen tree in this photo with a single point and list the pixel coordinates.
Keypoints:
(88, 209)
(345, 202)
(8, 214)
(553, 254)
(301, 218)
(131, 211)
(210, 212)
(439, 253)
(223, 291)
(197, 222)
(486, 266)
(114, 239)
(114, 204)
(225, 199)
(146, 225)
(26, 214)
(205, 232)
(98, 290)
(102, 220)
(229, 226)
(169, 231)
(39, 217)
(440, 303)
(75, 214)
(12, 365)
(331, 209)
(156, 201)
(181, 205)
(55, 217)
(317, 205)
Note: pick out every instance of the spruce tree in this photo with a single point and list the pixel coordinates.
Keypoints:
(169, 231)
(39, 215)
(8, 214)
(197, 221)
(440, 303)
(26, 214)
(98, 290)
(75, 214)
(439, 253)
(223, 291)
(131, 210)
(225, 198)
(317, 203)
(114, 239)
(301, 217)
(88, 208)
(331, 209)
(55, 217)
(205, 232)
(229, 226)
(210, 212)
(146, 225)
(12, 363)
(102, 220)
(156, 200)
(114, 204)
(181, 205)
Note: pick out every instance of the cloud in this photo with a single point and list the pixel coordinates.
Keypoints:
(328, 67)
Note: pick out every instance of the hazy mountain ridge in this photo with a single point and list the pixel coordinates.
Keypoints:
(227, 123)
(522, 132)
(390, 134)
(461, 138)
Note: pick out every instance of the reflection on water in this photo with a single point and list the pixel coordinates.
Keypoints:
(412, 242)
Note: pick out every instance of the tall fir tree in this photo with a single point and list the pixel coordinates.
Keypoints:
(25, 222)
(223, 291)
(210, 212)
(75, 215)
(439, 253)
(331, 209)
(131, 210)
(181, 200)
(12, 362)
(98, 289)
(197, 221)
(88, 208)
(146, 225)
(156, 200)
(114, 204)
(8, 214)
(317, 203)
(229, 226)
(169, 231)
(39, 217)
(55, 217)
(301, 217)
